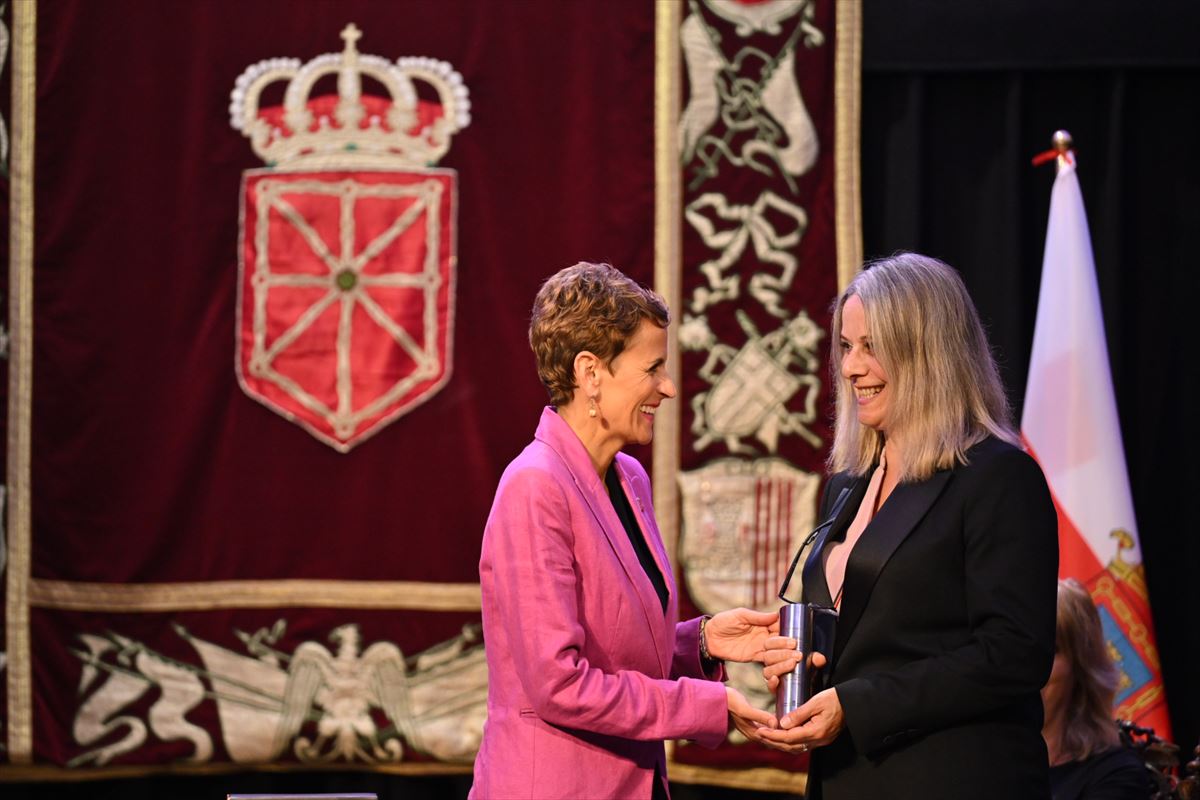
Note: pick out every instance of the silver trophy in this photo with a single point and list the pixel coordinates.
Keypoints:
(812, 627)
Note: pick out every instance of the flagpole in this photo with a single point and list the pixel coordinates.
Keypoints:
(1062, 144)
(1062, 141)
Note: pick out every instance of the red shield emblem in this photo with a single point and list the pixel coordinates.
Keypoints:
(346, 295)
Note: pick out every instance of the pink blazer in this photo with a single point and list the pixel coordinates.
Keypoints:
(586, 674)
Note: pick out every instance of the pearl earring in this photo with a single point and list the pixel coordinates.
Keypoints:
(591, 407)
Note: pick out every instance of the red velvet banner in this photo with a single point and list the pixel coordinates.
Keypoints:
(760, 146)
(208, 581)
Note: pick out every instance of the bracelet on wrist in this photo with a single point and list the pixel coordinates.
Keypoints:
(704, 655)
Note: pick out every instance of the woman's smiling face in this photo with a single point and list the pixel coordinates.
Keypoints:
(867, 376)
(630, 396)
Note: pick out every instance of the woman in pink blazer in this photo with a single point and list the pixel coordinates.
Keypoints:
(588, 670)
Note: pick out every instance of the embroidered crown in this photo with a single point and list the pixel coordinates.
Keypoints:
(351, 129)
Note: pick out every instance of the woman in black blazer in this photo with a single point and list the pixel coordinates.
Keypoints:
(941, 560)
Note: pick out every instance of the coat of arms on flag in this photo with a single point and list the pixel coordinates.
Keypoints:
(347, 253)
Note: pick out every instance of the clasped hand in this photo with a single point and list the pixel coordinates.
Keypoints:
(741, 635)
(814, 724)
(744, 635)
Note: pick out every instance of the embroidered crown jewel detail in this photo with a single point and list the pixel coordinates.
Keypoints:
(351, 129)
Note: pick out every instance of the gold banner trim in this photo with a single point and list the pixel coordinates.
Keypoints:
(20, 384)
(151, 597)
(847, 94)
(760, 779)
(50, 773)
(668, 258)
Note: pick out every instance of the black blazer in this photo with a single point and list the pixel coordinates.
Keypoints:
(945, 635)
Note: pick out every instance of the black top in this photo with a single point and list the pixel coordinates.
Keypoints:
(629, 522)
(1116, 774)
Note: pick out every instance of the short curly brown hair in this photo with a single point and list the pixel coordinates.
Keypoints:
(592, 307)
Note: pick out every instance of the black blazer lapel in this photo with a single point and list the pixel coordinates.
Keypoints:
(815, 588)
(895, 521)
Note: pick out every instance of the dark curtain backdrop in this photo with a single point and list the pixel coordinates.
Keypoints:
(956, 99)
(955, 104)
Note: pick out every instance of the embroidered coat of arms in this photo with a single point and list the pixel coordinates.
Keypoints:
(347, 249)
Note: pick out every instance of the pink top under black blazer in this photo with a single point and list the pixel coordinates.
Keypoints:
(586, 674)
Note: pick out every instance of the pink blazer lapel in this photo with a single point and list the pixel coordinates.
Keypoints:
(558, 435)
(639, 497)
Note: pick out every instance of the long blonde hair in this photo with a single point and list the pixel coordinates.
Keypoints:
(1088, 725)
(946, 393)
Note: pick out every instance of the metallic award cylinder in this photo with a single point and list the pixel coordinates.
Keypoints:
(795, 622)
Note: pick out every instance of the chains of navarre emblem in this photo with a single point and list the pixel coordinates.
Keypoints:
(346, 258)
(1123, 603)
(746, 137)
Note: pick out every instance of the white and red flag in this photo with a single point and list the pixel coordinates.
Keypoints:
(1070, 425)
